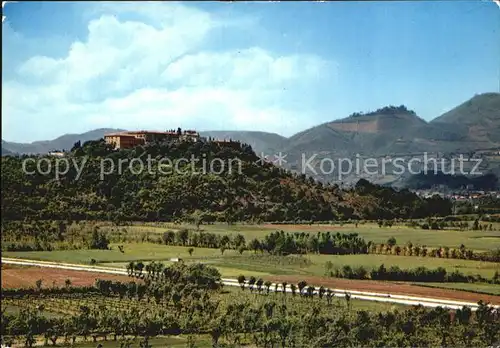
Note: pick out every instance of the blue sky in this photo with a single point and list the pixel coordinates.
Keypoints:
(275, 67)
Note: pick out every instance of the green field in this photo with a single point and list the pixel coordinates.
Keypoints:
(232, 263)
(491, 289)
(132, 252)
(486, 269)
(477, 240)
(174, 342)
(13, 309)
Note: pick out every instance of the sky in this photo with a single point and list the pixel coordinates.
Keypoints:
(70, 67)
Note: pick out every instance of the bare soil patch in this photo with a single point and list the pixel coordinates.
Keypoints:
(390, 287)
(14, 276)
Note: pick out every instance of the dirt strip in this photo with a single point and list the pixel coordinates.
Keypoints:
(390, 287)
(14, 276)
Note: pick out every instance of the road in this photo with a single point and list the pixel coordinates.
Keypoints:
(359, 295)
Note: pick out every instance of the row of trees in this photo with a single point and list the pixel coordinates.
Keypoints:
(409, 249)
(284, 243)
(40, 235)
(419, 274)
(277, 243)
(432, 224)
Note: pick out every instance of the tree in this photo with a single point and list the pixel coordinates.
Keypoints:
(225, 241)
(131, 268)
(496, 278)
(259, 284)
(254, 245)
(183, 236)
(268, 284)
(328, 266)
(239, 241)
(329, 295)
(139, 267)
(241, 281)
(321, 292)
(283, 287)
(391, 242)
(99, 240)
(348, 300)
(251, 282)
(197, 218)
(76, 145)
(310, 291)
(475, 226)
(67, 283)
(302, 285)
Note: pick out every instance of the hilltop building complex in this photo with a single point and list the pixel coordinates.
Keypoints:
(130, 139)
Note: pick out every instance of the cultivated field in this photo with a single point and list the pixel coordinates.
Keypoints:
(231, 263)
(310, 267)
(477, 240)
(14, 276)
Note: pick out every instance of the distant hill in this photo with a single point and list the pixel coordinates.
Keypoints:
(6, 152)
(472, 125)
(398, 131)
(64, 142)
(260, 141)
(429, 180)
(478, 119)
(267, 143)
(363, 133)
(389, 131)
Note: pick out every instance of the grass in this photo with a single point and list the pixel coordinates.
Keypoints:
(477, 240)
(486, 269)
(13, 310)
(303, 304)
(231, 264)
(160, 341)
(175, 341)
(490, 289)
(317, 265)
(132, 252)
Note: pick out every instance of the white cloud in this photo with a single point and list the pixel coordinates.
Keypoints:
(155, 73)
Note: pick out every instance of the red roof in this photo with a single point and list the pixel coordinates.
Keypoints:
(132, 133)
(119, 135)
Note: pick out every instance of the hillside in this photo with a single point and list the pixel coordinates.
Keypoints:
(259, 141)
(6, 152)
(427, 181)
(248, 192)
(472, 125)
(481, 117)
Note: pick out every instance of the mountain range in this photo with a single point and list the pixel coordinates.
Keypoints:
(390, 131)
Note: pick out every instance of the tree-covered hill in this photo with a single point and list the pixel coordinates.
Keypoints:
(256, 192)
